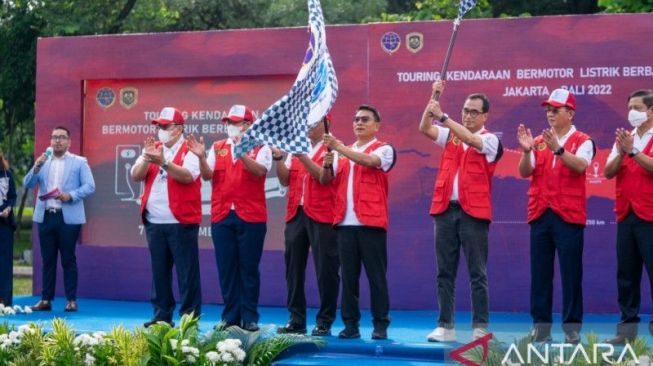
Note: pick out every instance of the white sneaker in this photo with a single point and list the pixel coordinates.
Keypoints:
(441, 334)
(479, 333)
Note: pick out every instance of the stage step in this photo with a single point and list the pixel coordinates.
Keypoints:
(361, 353)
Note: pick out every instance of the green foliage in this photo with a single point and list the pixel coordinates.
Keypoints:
(58, 349)
(626, 6)
(130, 348)
(437, 10)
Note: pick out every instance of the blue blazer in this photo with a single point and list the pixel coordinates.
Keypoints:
(78, 182)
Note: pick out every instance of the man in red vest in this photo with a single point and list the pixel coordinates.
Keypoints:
(238, 216)
(309, 224)
(171, 211)
(631, 161)
(556, 160)
(461, 206)
(361, 219)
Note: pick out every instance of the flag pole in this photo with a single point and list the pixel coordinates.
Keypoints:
(447, 57)
(326, 130)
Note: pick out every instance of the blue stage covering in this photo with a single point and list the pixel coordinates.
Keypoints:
(407, 344)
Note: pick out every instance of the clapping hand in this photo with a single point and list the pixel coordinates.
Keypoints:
(197, 147)
(625, 140)
(525, 138)
(550, 139)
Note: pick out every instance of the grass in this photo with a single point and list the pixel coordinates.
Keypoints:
(22, 285)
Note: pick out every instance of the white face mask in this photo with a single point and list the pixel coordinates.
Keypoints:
(164, 136)
(233, 131)
(636, 118)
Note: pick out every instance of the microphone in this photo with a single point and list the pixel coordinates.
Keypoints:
(48, 155)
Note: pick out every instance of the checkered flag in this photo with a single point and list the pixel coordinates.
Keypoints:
(285, 124)
(464, 7)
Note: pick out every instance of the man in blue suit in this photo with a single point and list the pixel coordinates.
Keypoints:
(64, 180)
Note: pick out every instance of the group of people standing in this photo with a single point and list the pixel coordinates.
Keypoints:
(338, 210)
(555, 161)
(337, 207)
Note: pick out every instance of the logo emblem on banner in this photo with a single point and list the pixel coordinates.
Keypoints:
(105, 97)
(414, 42)
(128, 97)
(390, 42)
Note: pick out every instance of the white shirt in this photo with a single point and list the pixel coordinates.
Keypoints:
(55, 179)
(639, 143)
(311, 154)
(386, 154)
(264, 157)
(585, 151)
(490, 149)
(158, 205)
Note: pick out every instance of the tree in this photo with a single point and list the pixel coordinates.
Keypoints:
(543, 7)
(627, 6)
(438, 9)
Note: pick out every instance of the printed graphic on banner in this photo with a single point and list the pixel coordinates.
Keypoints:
(113, 213)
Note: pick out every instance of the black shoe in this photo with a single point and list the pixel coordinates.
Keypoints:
(250, 327)
(539, 335)
(620, 340)
(154, 321)
(42, 305)
(292, 328)
(349, 333)
(572, 337)
(379, 334)
(321, 331)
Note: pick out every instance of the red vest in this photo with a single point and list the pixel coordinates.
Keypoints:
(559, 187)
(234, 184)
(318, 199)
(635, 188)
(370, 192)
(474, 180)
(184, 200)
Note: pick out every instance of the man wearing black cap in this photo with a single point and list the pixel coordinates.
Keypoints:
(461, 206)
(238, 216)
(556, 160)
(309, 224)
(171, 211)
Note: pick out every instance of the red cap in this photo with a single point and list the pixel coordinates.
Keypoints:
(169, 115)
(239, 113)
(561, 98)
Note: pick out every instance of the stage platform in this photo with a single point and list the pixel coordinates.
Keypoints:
(406, 345)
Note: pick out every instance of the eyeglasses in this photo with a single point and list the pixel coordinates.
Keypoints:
(554, 110)
(363, 119)
(59, 138)
(471, 112)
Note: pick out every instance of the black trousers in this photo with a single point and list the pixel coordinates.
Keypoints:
(238, 249)
(550, 234)
(57, 237)
(367, 246)
(454, 229)
(634, 251)
(303, 233)
(6, 262)
(174, 244)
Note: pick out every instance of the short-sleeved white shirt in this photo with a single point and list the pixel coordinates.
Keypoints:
(585, 150)
(638, 142)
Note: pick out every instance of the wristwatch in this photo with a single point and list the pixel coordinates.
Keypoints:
(444, 117)
(633, 152)
(165, 165)
(560, 151)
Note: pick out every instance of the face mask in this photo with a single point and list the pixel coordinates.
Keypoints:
(636, 118)
(164, 136)
(233, 131)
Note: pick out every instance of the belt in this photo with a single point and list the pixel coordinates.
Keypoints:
(52, 210)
